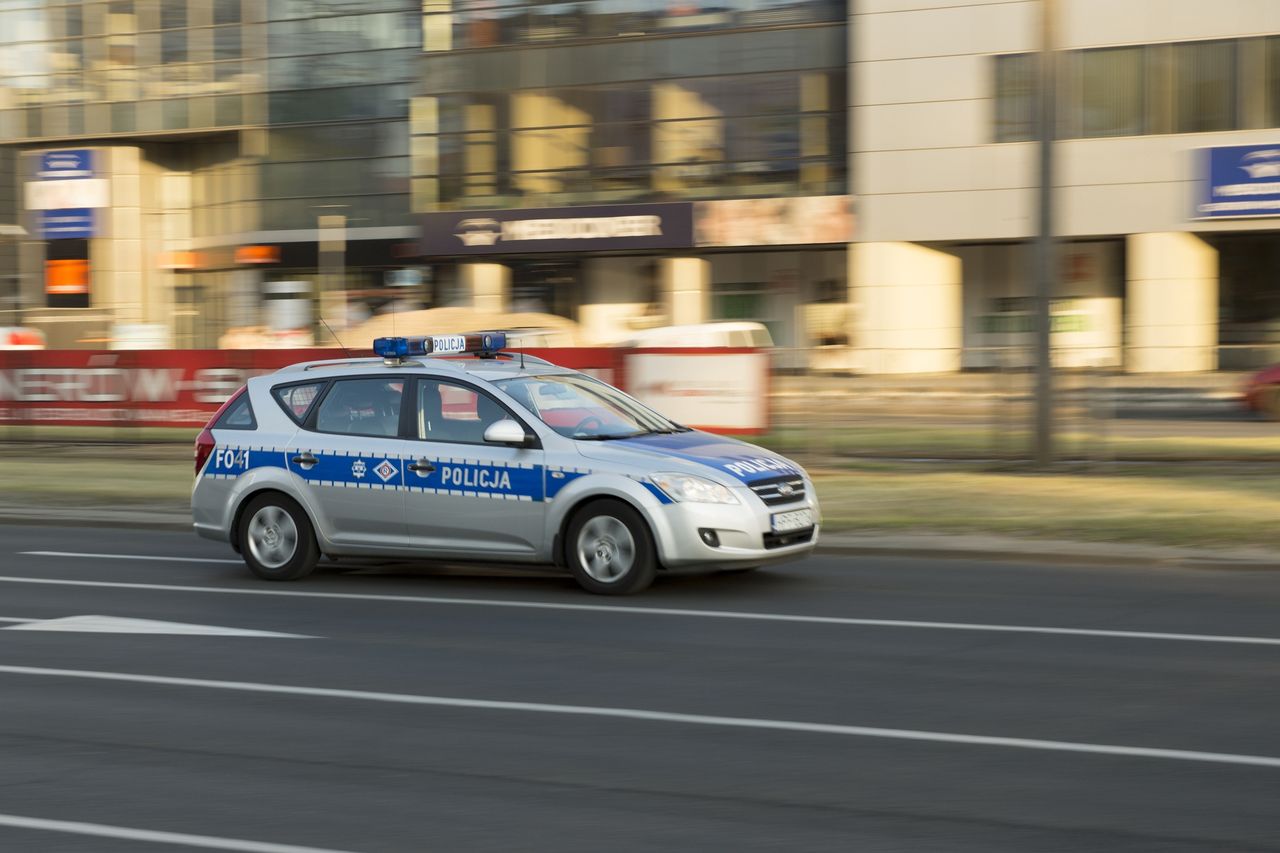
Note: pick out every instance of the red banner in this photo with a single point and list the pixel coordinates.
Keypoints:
(174, 388)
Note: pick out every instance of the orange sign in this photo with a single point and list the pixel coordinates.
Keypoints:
(177, 260)
(66, 277)
(258, 255)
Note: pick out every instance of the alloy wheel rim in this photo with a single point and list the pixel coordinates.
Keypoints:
(273, 537)
(606, 549)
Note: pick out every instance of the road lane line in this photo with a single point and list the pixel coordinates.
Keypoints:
(148, 557)
(668, 611)
(208, 842)
(16, 619)
(659, 716)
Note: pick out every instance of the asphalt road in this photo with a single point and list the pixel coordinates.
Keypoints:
(431, 708)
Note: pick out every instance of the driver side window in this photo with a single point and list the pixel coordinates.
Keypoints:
(455, 413)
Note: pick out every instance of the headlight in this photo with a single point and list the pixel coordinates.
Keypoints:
(686, 487)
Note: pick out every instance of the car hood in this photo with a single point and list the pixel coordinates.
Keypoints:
(743, 462)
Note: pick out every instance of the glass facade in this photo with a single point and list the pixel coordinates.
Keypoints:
(217, 125)
(134, 69)
(757, 109)
(127, 66)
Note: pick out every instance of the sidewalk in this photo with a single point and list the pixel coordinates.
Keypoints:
(916, 545)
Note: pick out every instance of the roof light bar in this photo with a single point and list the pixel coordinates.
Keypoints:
(480, 343)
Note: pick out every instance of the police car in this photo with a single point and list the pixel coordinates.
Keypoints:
(447, 447)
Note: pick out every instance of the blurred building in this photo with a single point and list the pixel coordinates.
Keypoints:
(179, 158)
(1169, 177)
(175, 155)
(637, 163)
(181, 166)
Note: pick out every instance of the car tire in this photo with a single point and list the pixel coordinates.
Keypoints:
(609, 549)
(276, 538)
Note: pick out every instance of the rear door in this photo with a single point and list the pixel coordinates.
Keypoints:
(349, 453)
(465, 496)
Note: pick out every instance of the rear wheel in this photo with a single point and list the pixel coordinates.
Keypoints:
(277, 540)
(609, 549)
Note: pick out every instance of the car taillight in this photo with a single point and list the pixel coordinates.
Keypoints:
(204, 447)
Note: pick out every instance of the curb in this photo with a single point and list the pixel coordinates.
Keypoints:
(140, 518)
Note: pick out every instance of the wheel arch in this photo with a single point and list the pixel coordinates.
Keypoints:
(561, 540)
(245, 499)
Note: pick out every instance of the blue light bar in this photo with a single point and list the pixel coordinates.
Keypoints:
(481, 343)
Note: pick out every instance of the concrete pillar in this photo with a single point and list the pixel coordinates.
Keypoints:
(686, 289)
(116, 262)
(1171, 311)
(905, 308)
(488, 286)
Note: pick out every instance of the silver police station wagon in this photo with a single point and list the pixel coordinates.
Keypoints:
(485, 455)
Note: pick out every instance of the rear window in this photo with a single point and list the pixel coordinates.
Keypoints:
(238, 414)
(297, 400)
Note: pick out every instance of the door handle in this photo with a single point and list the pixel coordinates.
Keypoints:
(422, 466)
(304, 460)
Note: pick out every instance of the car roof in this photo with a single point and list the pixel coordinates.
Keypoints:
(485, 369)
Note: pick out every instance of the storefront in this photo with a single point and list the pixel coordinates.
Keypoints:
(615, 269)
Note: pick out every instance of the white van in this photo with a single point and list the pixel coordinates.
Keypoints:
(699, 335)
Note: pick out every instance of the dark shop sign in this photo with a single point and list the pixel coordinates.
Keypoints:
(564, 229)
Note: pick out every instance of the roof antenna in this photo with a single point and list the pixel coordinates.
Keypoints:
(334, 335)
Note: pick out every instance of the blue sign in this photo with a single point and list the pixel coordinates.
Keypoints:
(67, 224)
(64, 223)
(1240, 180)
(66, 164)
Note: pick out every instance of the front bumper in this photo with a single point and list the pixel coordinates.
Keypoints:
(743, 531)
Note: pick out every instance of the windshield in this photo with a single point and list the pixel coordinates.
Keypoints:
(577, 406)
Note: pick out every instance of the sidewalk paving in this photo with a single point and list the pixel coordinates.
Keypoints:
(919, 545)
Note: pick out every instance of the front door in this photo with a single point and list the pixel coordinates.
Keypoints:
(465, 497)
(350, 456)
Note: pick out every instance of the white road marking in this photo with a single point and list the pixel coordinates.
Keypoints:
(125, 625)
(16, 619)
(148, 557)
(208, 842)
(669, 611)
(659, 716)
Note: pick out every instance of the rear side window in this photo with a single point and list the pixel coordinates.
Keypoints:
(238, 414)
(297, 400)
(368, 407)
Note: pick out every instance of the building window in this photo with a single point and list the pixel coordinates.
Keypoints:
(1112, 83)
(1273, 82)
(1015, 97)
(1205, 90)
(1185, 87)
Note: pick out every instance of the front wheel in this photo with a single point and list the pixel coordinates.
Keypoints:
(610, 550)
(277, 540)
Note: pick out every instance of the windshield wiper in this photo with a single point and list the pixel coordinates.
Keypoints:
(674, 429)
(607, 437)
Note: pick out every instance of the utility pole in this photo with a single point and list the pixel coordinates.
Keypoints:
(1046, 264)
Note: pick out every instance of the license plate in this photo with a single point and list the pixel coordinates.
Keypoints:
(797, 519)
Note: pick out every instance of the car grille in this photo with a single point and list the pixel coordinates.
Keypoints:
(791, 537)
(779, 490)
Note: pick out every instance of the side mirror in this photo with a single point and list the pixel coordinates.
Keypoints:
(506, 431)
